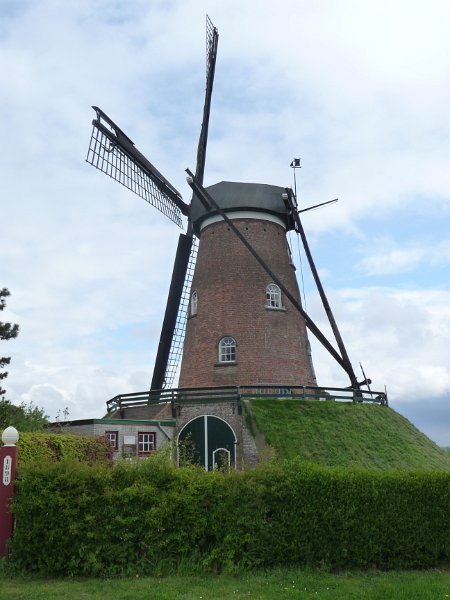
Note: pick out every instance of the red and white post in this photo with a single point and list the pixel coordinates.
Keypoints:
(8, 466)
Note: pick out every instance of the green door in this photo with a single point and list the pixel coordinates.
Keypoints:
(208, 441)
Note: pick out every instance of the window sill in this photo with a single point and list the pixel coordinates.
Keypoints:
(276, 308)
(230, 363)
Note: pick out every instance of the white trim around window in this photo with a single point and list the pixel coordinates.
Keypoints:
(146, 442)
(194, 303)
(273, 296)
(113, 439)
(227, 350)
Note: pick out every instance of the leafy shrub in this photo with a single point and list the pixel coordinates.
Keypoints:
(150, 517)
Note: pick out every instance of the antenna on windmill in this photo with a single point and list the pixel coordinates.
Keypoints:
(295, 164)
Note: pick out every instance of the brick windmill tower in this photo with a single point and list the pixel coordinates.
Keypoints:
(241, 329)
(233, 314)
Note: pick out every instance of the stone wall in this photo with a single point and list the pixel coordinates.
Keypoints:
(231, 413)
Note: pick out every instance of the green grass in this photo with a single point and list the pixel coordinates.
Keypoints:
(286, 583)
(346, 434)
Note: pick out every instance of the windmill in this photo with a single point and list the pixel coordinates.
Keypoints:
(239, 304)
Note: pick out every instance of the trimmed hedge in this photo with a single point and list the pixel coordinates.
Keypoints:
(148, 518)
(55, 446)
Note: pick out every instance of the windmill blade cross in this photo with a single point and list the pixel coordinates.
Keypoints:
(112, 152)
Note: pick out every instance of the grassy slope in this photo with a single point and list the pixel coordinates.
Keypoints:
(345, 434)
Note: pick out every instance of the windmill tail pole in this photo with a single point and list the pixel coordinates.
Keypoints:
(348, 365)
(209, 201)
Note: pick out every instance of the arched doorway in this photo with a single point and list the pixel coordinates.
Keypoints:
(208, 441)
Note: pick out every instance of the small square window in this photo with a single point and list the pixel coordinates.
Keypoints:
(146, 442)
(113, 439)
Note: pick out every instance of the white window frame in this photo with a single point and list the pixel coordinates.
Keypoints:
(273, 296)
(113, 438)
(146, 442)
(194, 303)
(227, 349)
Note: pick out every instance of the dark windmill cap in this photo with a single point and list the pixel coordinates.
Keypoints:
(234, 197)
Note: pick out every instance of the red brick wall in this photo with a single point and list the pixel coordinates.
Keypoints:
(272, 345)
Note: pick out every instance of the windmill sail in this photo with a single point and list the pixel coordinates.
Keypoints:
(172, 309)
(167, 360)
(212, 40)
(176, 348)
(112, 152)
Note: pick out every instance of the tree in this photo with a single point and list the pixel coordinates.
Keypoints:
(7, 331)
(25, 417)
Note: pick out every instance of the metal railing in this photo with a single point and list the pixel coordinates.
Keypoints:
(311, 392)
(232, 393)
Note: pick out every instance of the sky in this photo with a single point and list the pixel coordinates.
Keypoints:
(360, 91)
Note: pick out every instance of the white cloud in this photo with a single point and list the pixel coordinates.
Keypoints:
(394, 261)
(402, 339)
(386, 257)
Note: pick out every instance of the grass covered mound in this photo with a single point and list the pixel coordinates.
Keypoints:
(346, 434)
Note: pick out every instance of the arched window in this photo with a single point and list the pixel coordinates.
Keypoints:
(273, 296)
(227, 349)
(194, 303)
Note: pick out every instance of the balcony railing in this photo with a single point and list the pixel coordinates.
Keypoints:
(231, 393)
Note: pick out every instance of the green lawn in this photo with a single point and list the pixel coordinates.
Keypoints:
(346, 434)
(293, 583)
